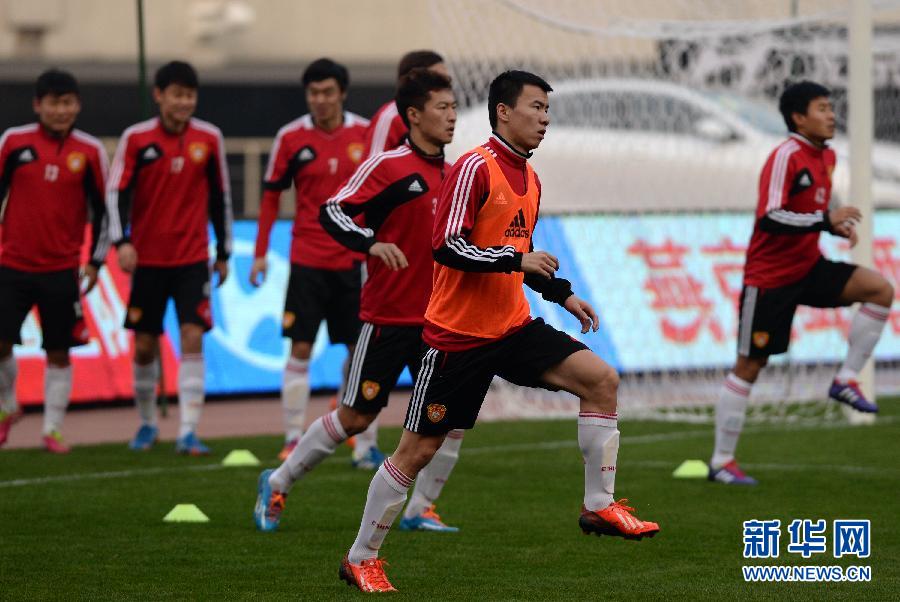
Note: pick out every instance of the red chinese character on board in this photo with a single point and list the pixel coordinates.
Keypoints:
(675, 291)
(889, 266)
(728, 267)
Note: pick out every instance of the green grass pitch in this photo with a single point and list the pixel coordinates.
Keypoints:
(88, 526)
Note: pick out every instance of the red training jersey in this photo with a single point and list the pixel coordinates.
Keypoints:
(51, 185)
(316, 162)
(168, 187)
(396, 193)
(794, 192)
(387, 130)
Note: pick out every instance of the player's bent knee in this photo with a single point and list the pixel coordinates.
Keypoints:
(354, 422)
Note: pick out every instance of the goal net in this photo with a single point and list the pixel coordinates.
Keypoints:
(662, 115)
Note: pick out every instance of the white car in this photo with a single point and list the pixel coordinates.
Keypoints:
(641, 145)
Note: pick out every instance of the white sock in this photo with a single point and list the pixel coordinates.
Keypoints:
(145, 378)
(865, 330)
(387, 494)
(8, 371)
(191, 391)
(365, 441)
(295, 397)
(598, 438)
(57, 390)
(432, 478)
(730, 411)
(316, 444)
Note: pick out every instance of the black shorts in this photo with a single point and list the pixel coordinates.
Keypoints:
(765, 316)
(451, 386)
(314, 295)
(58, 303)
(379, 358)
(152, 287)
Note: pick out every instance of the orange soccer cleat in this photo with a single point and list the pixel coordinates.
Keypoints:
(288, 448)
(368, 575)
(616, 520)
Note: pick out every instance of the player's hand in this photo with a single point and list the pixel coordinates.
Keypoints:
(852, 237)
(843, 216)
(541, 263)
(127, 257)
(90, 271)
(260, 267)
(390, 254)
(582, 310)
(220, 267)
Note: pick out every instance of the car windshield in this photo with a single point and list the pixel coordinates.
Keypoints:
(757, 114)
(625, 110)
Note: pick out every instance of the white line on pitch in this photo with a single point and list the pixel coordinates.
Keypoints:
(494, 449)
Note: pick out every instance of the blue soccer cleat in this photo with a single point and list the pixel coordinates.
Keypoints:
(191, 445)
(427, 521)
(849, 393)
(269, 504)
(730, 474)
(145, 438)
(371, 461)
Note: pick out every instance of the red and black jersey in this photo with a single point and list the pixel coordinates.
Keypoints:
(53, 185)
(387, 130)
(463, 193)
(794, 192)
(396, 193)
(168, 187)
(316, 162)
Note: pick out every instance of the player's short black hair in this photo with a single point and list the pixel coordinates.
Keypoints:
(56, 82)
(507, 87)
(415, 89)
(417, 59)
(324, 68)
(796, 99)
(176, 72)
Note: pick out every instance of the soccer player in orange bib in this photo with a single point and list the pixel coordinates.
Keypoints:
(478, 325)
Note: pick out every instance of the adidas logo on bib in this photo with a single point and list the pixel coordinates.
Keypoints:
(805, 180)
(518, 228)
(26, 156)
(415, 187)
(150, 154)
(306, 155)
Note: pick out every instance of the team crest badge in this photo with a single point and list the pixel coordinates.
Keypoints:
(197, 151)
(436, 412)
(355, 151)
(760, 338)
(288, 319)
(134, 314)
(76, 162)
(370, 389)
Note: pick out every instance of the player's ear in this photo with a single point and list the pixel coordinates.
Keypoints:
(157, 95)
(36, 104)
(412, 115)
(502, 112)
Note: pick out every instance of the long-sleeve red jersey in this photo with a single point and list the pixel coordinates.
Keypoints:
(387, 130)
(163, 190)
(51, 185)
(462, 195)
(794, 192)
(316, 162)
(396, 193)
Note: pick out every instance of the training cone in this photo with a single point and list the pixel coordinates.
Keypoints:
(185, 513)
(691, 469)
(240, 457)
